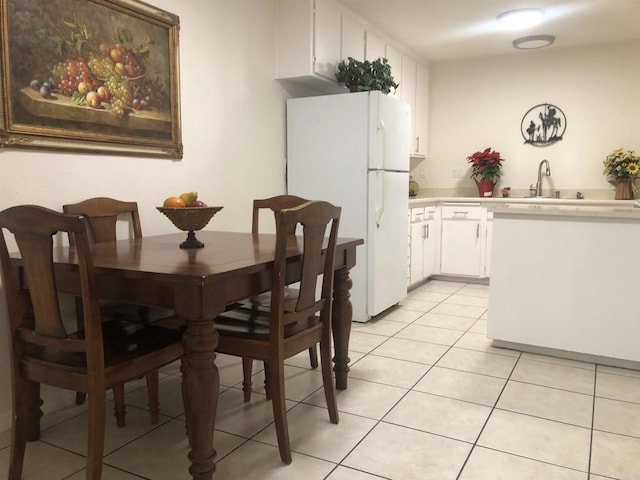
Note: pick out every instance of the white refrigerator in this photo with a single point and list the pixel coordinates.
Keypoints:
(353, 150)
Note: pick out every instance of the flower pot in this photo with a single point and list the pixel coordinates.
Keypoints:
(624, 190)
(485, 187)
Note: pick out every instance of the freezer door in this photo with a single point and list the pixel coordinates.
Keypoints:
(388, 132)
(387, 240)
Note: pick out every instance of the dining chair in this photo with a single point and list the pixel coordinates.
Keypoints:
(291, 325)
(103, 214)
(44, 347)
(274, 204)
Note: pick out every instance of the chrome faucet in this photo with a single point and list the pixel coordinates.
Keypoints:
(547, 173)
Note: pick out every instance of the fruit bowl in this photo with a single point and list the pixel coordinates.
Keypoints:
(190, 219)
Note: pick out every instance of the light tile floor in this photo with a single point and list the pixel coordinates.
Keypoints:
(429, 398)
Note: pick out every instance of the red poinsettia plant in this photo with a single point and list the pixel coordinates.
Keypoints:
(486, 165)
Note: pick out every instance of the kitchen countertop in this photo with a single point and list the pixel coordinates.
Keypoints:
(620, 211)
(558, 207)
(523, 201)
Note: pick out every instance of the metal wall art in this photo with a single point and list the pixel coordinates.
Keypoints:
(543, 125)
(96, 76)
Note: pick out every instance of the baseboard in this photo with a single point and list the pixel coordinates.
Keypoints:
(581, 357)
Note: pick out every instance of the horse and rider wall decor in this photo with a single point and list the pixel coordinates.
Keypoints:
(543, 125)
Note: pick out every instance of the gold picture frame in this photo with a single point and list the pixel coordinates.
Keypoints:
(90, 76)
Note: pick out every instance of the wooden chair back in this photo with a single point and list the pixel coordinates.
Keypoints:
(33, 229)
(43, 350)
(275, 204)
(103, 214)
(316, 218)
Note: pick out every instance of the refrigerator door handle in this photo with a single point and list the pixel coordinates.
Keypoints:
(382, 128)
(380, 209)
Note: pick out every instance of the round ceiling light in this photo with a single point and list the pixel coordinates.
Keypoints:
(520, 18)
(533, 41)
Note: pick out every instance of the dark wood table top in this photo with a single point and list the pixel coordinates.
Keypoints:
(224, 253)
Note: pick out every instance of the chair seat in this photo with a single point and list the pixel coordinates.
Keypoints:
(123, 342)
(254, 323)
(264, 299)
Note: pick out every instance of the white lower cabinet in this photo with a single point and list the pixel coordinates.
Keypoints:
(416, 246)
(431, 242)
(449, 238)
(424, 228)
(462, 239)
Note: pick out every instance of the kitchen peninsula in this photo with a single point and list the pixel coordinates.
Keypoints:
(564, 280)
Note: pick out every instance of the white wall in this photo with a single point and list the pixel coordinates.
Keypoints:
(233, 121)
(480, 103)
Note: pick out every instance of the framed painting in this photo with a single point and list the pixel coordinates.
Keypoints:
(98, 76)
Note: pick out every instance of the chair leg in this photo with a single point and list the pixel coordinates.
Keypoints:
(313, 357)
(81, 397)
(23, 398)
(247, 368)
(267, 387)
(95, 433)
(119, 408)
(276, 386)
(327, 381)
(153, 387)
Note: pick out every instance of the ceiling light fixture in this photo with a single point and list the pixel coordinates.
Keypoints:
(533, 41)
(520, 18)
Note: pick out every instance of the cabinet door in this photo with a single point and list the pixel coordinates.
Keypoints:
(421, 141)
(352, 39)
(374, 47)
(460, 247)
(430, 234)
(417, 252)
(409, 96)
(394, 57)
(327, 40)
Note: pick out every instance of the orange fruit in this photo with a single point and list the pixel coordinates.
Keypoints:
(174, 202)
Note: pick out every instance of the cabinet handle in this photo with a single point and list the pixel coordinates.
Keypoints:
(424, 231)
(427, 228)
(478, 230)
(460, 212)
(417, 144)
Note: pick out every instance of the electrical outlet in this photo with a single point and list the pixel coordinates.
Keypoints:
(458, 172)
(422, 173)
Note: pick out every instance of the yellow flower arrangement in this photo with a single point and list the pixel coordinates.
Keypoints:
(621, 165)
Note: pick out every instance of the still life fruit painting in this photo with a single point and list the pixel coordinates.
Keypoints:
(92, 70)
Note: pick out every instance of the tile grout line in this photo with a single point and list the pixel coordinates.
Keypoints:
(475, 443)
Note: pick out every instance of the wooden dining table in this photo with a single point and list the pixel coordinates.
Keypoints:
(199, 284)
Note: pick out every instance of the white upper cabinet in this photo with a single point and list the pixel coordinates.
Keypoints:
(353, 35)
(409, 95)
(374, 46)
(327, 39)
(312, 36)
(308, 40)
(421, 140)
(394, 57)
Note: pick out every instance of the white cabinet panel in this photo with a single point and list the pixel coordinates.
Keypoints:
(417, 245)
(422, 110)
(431, 242)
(394, 57)
(462, 239)
(327, 40)
(352, 39)
(409, 66)
(374, 46)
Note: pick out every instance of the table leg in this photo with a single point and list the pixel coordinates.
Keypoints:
(342, 316)
(200, 381)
